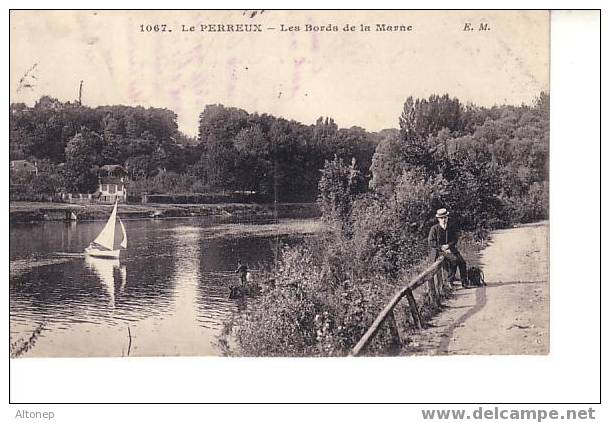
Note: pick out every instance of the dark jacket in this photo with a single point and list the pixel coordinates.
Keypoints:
(242, 269)
(439, 236)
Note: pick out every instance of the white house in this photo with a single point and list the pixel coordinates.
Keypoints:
(112, 184)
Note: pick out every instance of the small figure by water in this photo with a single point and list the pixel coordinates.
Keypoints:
(242, 270)
(247, 286)
(443, 240)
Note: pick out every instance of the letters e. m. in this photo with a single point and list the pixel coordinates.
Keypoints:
(483, 26)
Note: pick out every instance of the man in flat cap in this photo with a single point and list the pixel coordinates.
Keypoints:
(443, 240)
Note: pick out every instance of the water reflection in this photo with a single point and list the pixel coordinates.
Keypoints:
(67, 292)
(185, 277)
(173, 300)
(111, 274)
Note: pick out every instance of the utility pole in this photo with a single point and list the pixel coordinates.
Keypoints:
(80, 93)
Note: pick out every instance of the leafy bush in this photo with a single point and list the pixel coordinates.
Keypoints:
(310, 313)
(337, 187)
(390, 232)
(329, 291)
(531, 206)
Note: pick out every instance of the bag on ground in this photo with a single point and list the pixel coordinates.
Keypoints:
(476, 277)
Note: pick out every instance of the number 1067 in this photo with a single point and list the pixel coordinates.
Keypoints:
(153, 28)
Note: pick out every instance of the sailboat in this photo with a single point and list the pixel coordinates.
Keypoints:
(104, 245)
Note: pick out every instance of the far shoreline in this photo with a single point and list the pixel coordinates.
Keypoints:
(35, 212)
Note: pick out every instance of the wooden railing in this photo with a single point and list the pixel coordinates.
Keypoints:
(437, 286)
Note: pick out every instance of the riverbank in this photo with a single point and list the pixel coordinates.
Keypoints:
(508, 316)
(21, 212)
(471, 248)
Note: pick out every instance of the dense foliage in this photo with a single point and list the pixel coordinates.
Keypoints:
(75, 140)
(273, 156)
(488, 166)
(492, 161)
(234, 150)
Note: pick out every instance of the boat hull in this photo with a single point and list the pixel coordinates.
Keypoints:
(110, 254)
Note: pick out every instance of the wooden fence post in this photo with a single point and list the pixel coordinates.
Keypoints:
(444, 280)
(396, 342)
(414, 310)
(434, 295)
(438, 281)
(407, 290)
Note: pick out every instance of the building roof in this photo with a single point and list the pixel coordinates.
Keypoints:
(23, 165)
(113, 169)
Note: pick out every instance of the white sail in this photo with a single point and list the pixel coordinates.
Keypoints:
(124, 242)
(106, 237)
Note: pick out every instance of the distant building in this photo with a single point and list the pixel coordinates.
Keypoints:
(112, 184)
(23, 166)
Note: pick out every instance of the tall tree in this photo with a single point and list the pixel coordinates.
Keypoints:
(423, 117)
(82, 154)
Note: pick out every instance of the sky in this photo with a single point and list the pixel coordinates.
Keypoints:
(357, 77)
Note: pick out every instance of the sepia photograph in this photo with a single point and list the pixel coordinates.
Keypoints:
(268, 183)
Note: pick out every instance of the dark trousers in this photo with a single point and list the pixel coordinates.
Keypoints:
(454, 260)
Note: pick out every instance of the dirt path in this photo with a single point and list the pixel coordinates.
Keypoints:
(511, 314)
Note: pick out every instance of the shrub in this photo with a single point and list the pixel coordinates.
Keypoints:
(390, 232)
(329, 290)
(337, 188)
(530, 207)
(309, 313)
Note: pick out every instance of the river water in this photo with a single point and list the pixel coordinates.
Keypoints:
(167, 296)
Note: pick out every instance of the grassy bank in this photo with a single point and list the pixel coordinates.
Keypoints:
(315, 309)
(38, 212)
